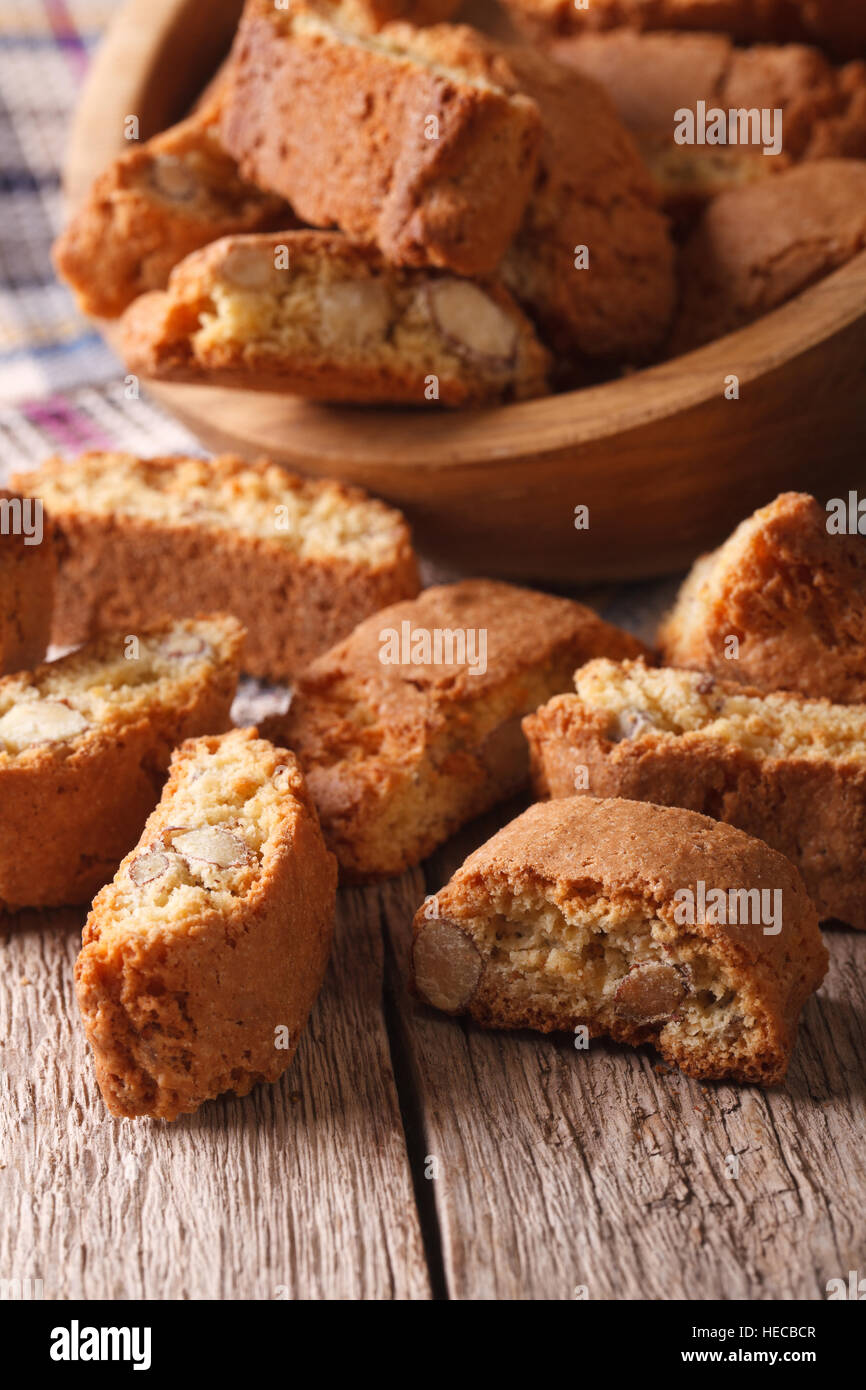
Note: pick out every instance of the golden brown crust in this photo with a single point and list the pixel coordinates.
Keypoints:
(177, 545)
(152, 207)
(620, 865)
(758, 246)
(181, 1005)
(71, 807)
(839, 25)
(399, 754)
(653, 76)
(593, 191)
(810, 808)
(342, 126)
(27, 574)
(333, 322)
(792, 594)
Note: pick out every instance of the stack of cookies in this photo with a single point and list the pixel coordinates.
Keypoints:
(370, 211)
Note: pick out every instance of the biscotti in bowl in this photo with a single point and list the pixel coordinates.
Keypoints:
(202, 959)
(85, 744)
(298, 562)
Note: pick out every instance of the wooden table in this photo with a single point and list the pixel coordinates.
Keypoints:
(408, 1155)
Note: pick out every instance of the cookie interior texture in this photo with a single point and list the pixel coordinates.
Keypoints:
(312, 519)
(337, 309)
(643, 702)
(98, 689)
(567, 918)
(228, 806)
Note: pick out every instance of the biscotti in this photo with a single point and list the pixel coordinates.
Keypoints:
(309, 313)
(592, 262)
(202, 959)
(27, 569)
(789, 770)
(370, 15)
(299, 562)
(838, 25)
(756, 247)
(85, 744)
(646, 923)
(654, 79)
(151, 208)
(367, 133)
(780, 606)
(411, 726)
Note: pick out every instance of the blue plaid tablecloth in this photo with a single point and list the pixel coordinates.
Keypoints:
(61, 388)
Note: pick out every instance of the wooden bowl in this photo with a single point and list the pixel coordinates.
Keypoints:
(665, 464)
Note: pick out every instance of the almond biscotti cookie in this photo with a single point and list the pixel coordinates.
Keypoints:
(839, 25)
(654, 77)
(646, 923)
(789, 770)
(85, 744)
(781, 606)
(592, 262)
(411, 726)
(370, 134)
(756, 247)
(298, 561)
(27, 569)
(202, 959)
(151, 208)
(309, 313)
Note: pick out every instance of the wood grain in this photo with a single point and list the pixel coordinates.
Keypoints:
(301, 1190)
(666, 464)
(564, 1171)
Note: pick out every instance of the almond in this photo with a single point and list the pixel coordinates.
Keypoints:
(173, 179)
(650, 992)
(353, 312)
(447, 964)
(471, 323)
(632, 723)
(40, 721)
(252, 268)
(211, 845)
(183, 645)
(148, 867)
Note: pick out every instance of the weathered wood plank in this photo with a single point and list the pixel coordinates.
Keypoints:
(560, 1168)
(301, 1190)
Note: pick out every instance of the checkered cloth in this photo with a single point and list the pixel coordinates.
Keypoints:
(61, 388)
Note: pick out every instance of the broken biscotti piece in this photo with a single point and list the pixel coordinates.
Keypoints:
(789, 770)
(203, 958)
(411, 726)
(85, 744)
(758, 246)
(838, 25)
(151, 208)
(27, 571)
(298, 561)
(645, 923)
(371, 134)
(654, 78)
(781, 606)
(309, 313)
